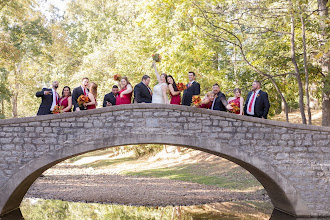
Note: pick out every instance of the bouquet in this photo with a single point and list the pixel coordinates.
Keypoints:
(156, 57)
(81, 100)
(196, 100)
(181, 86)
(117, 77)
(235, 108)
(57, 109)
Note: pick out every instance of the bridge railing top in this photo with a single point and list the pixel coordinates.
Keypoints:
(11, 121)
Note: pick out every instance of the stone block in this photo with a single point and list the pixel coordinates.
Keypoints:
(29, 147)
(8, 147)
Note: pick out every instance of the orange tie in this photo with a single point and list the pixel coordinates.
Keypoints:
(252, 100)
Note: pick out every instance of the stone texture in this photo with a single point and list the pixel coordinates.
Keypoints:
(291, 161)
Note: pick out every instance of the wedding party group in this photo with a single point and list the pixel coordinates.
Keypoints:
(84, 96)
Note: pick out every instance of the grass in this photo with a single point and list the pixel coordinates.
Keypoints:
(234, 178)
(105, 163)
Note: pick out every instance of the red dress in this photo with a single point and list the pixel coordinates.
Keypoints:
(175, 99)
(91, 106)
(126, 99)
(236, 103)
(208, 105)
(64, 102)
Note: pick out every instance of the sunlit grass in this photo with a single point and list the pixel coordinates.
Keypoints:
(105, 163)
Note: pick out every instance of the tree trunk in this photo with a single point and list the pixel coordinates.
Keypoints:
(14, 99)
(300, 86)
(306, 71)
(325, 62)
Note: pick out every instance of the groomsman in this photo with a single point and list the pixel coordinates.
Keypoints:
(142, 91)
(110, 98)
(49, 99)
(193, 88)
(80, 90)
(257, 103)
(220, 102)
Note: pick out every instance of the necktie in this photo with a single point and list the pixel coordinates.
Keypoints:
(56, 97)
(252, 100)
(149, 90)
(84, 91)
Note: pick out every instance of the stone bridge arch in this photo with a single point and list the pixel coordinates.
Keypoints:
(291, 161)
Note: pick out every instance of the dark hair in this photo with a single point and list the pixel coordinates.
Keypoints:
(115, 87)
(84, 79)
(174, 84)
(258, 82)
(192, 73)
(126, 79)
(145, 77)
(237, 89)
(65, 88)
(216, 84)
(165, 75)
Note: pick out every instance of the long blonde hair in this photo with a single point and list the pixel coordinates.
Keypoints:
(93, 89)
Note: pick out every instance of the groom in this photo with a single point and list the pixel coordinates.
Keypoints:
(142, 91)
(80, 90)
(193, 88)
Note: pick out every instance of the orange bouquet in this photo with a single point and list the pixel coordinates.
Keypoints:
(117, 77)
(196, 100)
(181, 86)
(235, 109)
(57, 109)
(156, 57)
(82, 99)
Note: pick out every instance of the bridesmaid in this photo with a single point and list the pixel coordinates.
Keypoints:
(174, 92)
(207, 101)
(125, 93)
(92, 95)
(66, 99)
(238, 100)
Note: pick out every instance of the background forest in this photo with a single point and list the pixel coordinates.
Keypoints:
(284, 44)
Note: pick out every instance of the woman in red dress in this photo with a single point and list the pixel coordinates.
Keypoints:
(238, 101)
(92, 95)
(207, 101)
(66, 99)
(125, 93)
(174, 91)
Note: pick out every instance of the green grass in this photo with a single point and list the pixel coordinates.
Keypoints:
(105, 163)
(235, 178)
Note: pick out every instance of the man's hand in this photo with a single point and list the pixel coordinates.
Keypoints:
(77, 109)
(109, 103)
(47, 92)
(229, 107)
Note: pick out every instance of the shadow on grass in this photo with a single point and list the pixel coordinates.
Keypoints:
(105, 163)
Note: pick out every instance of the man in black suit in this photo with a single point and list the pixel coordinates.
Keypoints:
(80, 90)
(193, 88)
(220, 102)
(110, 98)
(142, 91)
(49, 99)
(257, 103)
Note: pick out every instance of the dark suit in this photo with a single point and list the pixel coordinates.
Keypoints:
(194, 89)
(46, 103)
(142, 93)
(220, 102)
(261, 106)
(109, 98)
(75, 95)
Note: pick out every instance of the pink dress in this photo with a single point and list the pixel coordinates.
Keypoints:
(126, 99)
(64, 102)
(237, 104)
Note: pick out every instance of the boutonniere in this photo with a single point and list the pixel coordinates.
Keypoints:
(258, 95)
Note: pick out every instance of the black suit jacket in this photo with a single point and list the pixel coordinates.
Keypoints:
(75, 95)
(194, 89)
(46, 103)
(142, 93)
(110, 98)
(218, 103)
(261, 106)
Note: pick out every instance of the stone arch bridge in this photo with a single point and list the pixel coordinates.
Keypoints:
(291, 161)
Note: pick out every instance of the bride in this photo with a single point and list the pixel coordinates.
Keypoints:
(160, 90)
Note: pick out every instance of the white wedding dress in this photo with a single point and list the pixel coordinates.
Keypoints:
(157, 96)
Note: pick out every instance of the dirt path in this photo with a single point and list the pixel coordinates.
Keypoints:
(129, 190)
